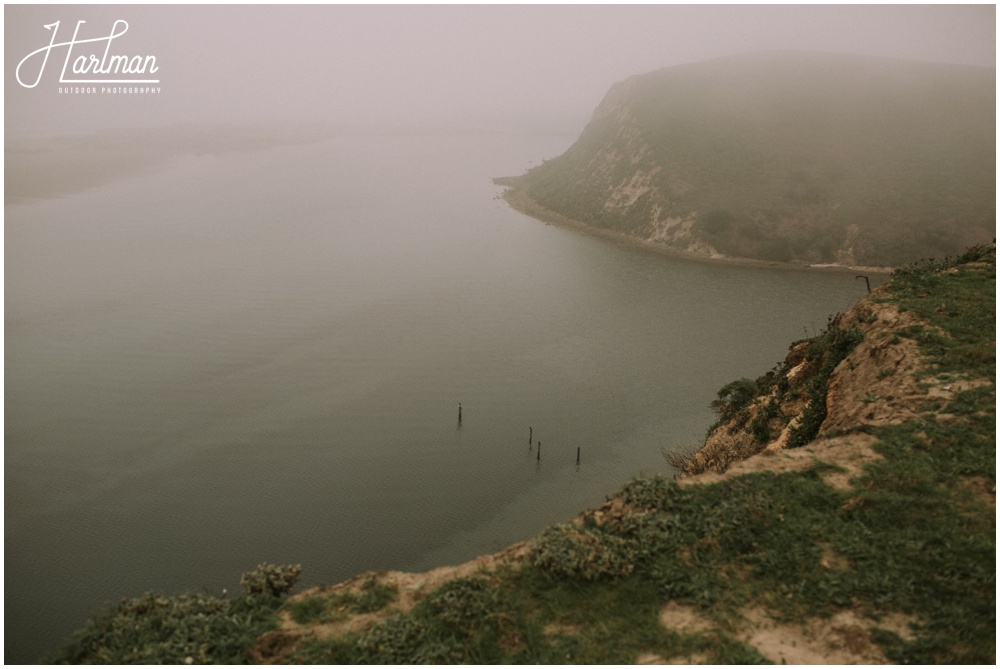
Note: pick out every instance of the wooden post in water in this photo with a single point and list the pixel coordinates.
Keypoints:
(529, 436)
(577, 455)
(459, 412)
(539, 458)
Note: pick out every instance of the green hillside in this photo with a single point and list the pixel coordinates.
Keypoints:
(784, 156)
(864, 532)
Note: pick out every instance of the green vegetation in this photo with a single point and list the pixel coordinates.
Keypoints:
(191, 628)
(756, 404)
(789, 156)
(154, 629)
(523, 617)
(585, 552)
(735, 400)
(825, 352)
(322, 608)
(946, 295)
(734, 397)
(912, 535)
(269, 579)
(465, 621)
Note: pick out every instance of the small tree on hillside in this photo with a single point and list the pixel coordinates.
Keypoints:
(733, 398)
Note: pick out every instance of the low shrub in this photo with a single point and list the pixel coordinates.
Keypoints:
(269, 579)
(189, 628)
(464, 605)
(733, 398)
(567, 551)
(656, 493)
(760, 426)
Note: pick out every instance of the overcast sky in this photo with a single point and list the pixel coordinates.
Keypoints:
(488, 66)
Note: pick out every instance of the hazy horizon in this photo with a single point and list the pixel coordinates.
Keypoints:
(493, 67)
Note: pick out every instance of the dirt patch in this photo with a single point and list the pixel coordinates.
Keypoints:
(613, 511)
(831, 559)
(683, 619)
(556, 629)
(650, 658)
(273, 647)
(653, 658)
(984, 489)
(844, 638)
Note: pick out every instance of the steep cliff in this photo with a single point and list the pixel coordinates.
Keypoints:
(866, 371)
(816, 158)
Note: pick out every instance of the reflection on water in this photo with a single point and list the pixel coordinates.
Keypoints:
(257, 357)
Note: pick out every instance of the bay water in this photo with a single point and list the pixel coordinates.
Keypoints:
(258, 357)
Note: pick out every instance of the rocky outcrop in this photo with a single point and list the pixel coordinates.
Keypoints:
(873, 383)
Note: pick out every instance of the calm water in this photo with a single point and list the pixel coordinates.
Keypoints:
(258, 357)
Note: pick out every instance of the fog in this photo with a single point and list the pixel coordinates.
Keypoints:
(212, 330)
(489, 67)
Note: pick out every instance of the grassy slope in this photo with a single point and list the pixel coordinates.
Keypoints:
(777, 156)
(912, 538)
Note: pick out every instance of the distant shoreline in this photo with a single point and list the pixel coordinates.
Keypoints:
(520, 201)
